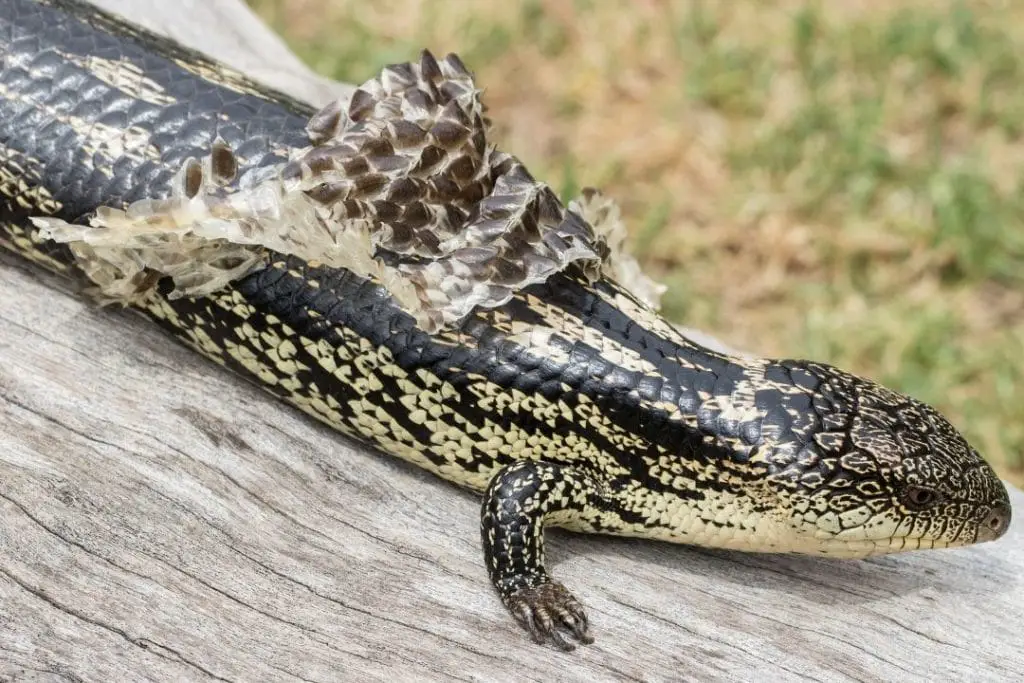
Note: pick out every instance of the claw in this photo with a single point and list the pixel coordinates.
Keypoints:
(548, 610)
(577, 623)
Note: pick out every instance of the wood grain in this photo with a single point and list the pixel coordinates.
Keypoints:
(164, 520)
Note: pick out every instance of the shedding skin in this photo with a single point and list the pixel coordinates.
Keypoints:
(401, 185)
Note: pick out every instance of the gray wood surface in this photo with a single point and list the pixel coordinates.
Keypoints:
(163, 520)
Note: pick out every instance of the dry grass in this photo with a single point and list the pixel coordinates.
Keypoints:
(833, 180)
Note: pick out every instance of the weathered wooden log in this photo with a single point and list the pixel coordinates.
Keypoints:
(161, 519)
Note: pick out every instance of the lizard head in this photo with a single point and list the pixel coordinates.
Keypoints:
(880, 472)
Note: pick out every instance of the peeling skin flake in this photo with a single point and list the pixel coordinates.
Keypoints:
(604, 215)
(405, 170)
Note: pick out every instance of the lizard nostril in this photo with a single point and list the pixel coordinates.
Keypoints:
(998, 521)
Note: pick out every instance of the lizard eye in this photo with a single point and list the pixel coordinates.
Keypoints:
(920, 498)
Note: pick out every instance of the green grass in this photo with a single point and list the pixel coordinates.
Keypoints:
(951, 223)
(840, 181)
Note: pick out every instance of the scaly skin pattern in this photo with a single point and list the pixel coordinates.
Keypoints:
(572, 405)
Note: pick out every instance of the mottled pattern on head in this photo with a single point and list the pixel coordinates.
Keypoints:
(872, 470)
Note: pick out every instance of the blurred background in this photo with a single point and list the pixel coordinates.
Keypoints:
(841, 180)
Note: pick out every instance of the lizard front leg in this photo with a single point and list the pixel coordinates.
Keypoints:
(520, 501)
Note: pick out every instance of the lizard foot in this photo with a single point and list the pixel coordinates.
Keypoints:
(546, 611)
